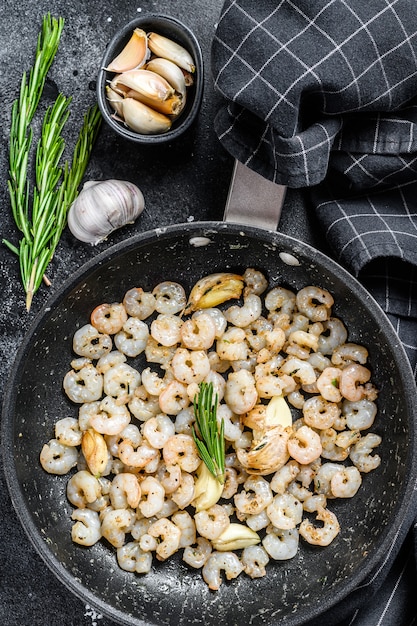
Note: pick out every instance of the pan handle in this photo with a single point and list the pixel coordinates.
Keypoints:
(253, 200)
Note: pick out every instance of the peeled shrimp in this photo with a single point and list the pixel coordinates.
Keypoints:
(240, 393)
(345, 484)
(83, 385)
(152, 496)
(197, 555)
(211, 522)
(320, 413)
(112, 418)
(255, 497)
(328, 384)
(67, 431)
(304, 445)
(56, 458)
(218, 562)
(361, 455)
(139, 303)
(255, 281)
(174, 398)
(281, 544)
(315, 303)
(199, 332)
(132, 558)
(125, 491)
(120, 382)
(359, 415)
(186, 524)
(285, 511)
(169, 535)
(254, 560)
(243, 316)
(83, 489)
(169, 297)
(166, 329)
(320, 536)
(232, 345)
(86, 530)
(158, 430)
(90, 342)
(131, 340)
(109, 318)
(350, 381)
(190, 366)
(181, 450)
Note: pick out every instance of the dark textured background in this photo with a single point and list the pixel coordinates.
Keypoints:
(181, 182)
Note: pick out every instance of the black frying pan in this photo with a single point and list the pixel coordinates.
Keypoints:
(293, 591)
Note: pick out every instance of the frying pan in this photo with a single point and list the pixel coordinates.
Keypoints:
(293, 591)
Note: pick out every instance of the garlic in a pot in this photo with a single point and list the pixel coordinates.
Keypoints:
(102, 207)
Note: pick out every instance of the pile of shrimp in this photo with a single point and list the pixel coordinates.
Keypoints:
(279, 480)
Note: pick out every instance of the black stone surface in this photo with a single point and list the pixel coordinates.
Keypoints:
(182, 182)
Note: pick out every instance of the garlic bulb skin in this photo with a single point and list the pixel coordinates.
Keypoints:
(102, 207)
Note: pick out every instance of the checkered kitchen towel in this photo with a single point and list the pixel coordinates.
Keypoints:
(322, 95)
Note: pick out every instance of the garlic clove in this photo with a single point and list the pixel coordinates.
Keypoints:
(143, 119)
(115, 100)
(214, 289)
(94, 449)
(167, 49)
(102, 207)
(278, 412)
(207, 489)
(236, 537)
(173, 106)
(147, 83)
(170, 71)
(133, 55)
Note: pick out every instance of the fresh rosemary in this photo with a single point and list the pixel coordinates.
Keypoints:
(41, 216)
(208, 437)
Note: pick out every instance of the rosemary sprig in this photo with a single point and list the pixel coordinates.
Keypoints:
(43, 220)
(208, 437)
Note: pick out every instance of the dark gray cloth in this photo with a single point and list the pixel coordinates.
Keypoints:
(323, 96)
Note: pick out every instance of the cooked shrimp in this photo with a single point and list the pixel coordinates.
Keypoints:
(281, 300)
(190, 366)
(174, 398)
(181, 450)
(320, 413)
(361, 456)
(334, 335)
(256, 332)
(211, 522)
(330, 448)
(166, 329)
(125, 491)
(218, 562)
(320, 536)
(157, 353)
(139, 303)
(315, 303)
(115, 524)
(158, 430)
(120, 382)
(184, 521)
(232, 425)
(87, 528)
(131, 558)
(219, 320)
(170, 297)
(232, 345)
(109, 318)
(83, 489)
(91, 343)
(243, 316)
(152, 496)
(197, 555)
(67, 431)
(304, 445)
(359, 415)
(255, 282)
(137, 455)
(83, 385)
(281, 544)
(349, 353)
(56, 458)
(199, 332)
(301, 370)
(168, 534)
(131, 340)
(111, 419)
(240, 393)
(285, 511)
(255, 496)
(169, 476)
(284, 476)
(350, 381)
(143, 405)
(85, 411)
(110, 360)
(346, 483)
(323, 478)
(231, 485)
(183, 421)
(153, 383)
(254, 560)
(256, 522)
(185, 492)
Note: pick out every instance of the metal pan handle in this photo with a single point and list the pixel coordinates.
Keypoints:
(253, 200)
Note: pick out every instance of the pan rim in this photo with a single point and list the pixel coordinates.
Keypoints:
(18, 501)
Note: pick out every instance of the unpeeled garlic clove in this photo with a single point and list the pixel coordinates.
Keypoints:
(144, 82)
(236, 537)
(134, 54)
(167, 49)
(170, 71)
(207, 489)
(103, 206)
(94, 449)
(214, 289)
(115, 100)
(143, 119)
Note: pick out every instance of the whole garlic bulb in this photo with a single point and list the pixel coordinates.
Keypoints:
(102, 207)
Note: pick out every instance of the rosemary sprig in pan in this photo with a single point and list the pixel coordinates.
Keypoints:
(208, 437)
(42, 217)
